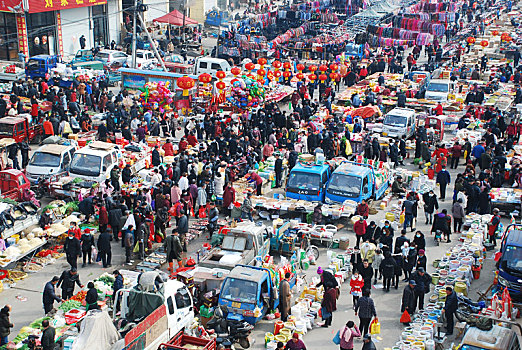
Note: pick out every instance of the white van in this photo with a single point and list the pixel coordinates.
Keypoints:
(48, 160)
(438, 90)
(210, 65)
(95, 161)
(399, 122)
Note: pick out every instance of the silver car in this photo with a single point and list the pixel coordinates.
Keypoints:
(109, 57)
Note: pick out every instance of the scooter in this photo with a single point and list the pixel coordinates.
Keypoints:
(230, 331)
(467, 307)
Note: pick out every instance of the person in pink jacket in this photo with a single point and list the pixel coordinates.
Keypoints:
(347, 333)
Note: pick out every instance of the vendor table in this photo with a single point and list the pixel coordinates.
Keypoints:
(507, 200)
(23, 255)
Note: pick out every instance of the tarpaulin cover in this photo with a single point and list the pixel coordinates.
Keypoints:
(175, 18)
(366, 112)
(97, 332)
(141, 304)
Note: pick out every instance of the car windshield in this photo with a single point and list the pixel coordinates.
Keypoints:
(103, 55)
(45, 159)
(239, 290)
(85, 164)
(513, 258)
(32, 64)
(395, 120)
(345, 185)
(304, 181)
(6, 129)
(438, 87)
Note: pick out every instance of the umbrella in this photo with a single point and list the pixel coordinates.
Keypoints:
(175, 18)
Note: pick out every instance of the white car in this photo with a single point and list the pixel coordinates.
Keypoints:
(144, 58)
(109, 57)
(48, 160)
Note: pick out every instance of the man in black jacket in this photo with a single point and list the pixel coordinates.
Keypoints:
(115, 221)
(408, 299)
(366, 271)
(423, 281)
(450, 306)
(48, 336)
(67, 281)
(72, 249)
(104, 248)
(49, 295)
(126, 174)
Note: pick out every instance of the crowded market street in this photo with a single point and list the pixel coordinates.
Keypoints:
(299, 175)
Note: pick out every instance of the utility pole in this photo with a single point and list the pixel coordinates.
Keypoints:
(134, 38)
(152, 44)
(184, 15)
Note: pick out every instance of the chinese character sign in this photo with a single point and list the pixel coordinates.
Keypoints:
(57, 5)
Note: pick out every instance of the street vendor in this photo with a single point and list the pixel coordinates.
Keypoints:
(398, 187)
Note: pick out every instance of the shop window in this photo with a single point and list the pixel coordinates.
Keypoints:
(100, 25)
(8, 37)
(41, 31)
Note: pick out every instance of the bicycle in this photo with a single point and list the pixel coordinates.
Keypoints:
(310, 249)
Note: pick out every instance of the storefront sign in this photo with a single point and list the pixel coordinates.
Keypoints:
(56, 5)
(60, 37)
(16, 6)
(23, 42)
(133, 81)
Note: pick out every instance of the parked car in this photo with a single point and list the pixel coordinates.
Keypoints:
(143, 58)
(111, 56)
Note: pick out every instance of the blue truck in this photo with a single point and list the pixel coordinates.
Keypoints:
(353, 50)
(510, 262)
(356, 181)
(40, 66)
(308, 182)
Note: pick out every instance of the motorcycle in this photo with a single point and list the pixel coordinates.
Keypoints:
(467, 307)
(230, 331)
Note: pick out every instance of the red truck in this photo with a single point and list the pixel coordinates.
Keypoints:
(20, 128)
(13, 183)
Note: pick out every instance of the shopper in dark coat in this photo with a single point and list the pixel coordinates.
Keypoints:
(115, 215)
(67, 281)
(365, 309)
(398, 269)
(48, 336)
(91, 299)
(73, 250)
(104, 248)
(87, 242)
(49, 295)
(408, 298)
(387, 267)
(366, 271)
(422, 280)
(5, 325)
(329, 305)
(430, 204)
(118, 283)
(450, 306)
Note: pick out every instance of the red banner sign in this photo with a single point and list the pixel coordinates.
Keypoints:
(59, 27)
(23, 43)
(16, 6)
(56, 5)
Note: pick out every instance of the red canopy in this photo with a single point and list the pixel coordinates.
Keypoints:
(175, 18)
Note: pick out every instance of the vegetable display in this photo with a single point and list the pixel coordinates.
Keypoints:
(69, 305)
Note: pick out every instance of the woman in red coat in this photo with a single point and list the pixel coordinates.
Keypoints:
(229, 197)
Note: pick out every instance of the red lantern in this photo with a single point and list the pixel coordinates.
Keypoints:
(277, 74)
(236, 71)
(276, 64)
(260, 81)
(221, 86)
(494, 33)
(508, 38)
(334, 67)
(312, 77)
(300, 67)
(205, 78)
(484, 43)
(250, 66)
(261, 61)
(470, 40)
(299, 76)
(323, 68)
(220, 74)
(312, 68)
(333, 76)
(286, 74)
(186, 83)
(287, 65)
(261, 72)
(323, 77)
